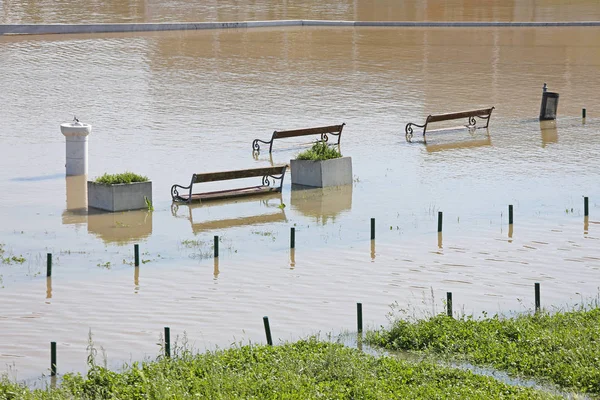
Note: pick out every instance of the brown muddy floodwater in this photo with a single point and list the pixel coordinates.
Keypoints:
(169, 104)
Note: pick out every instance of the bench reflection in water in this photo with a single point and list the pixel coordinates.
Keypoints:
(323, 204)
(271, 201)
(459, 141)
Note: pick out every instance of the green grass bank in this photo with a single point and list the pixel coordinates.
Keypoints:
(307, 369)
(563, 347)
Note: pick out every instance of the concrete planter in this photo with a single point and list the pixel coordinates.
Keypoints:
(121, 197)
(334, 172)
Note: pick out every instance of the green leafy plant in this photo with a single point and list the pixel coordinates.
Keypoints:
(125, 177)
(318, 152)
(308, 369)
(149, 204)
(562, 347)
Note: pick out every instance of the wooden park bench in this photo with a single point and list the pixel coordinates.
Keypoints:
(324, 131)
(484, 113)
(275, 173)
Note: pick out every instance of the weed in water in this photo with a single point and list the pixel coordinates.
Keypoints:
(149, 204)
(104, 265)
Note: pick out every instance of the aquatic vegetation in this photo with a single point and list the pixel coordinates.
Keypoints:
(104, 265)
(125, 177)
(307, 369)
(192, 243)
(10, 259)
(149, 203)
(270, 234)
(318, 152)
(563, 347)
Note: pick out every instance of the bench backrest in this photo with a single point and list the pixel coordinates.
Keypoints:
(238, 174)
(462, 114)
(335, 129)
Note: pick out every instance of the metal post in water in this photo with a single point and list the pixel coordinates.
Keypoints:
(52, 358)
(586, 210)
(372, 228)
(268, 331)
(359, 324)
(216, 246)
(440, 216)
(292, 238)
(510, 214)
(136, 254)
(537, 297)
(167, 342)
(583, 113)
(48, 265)
(449, 304)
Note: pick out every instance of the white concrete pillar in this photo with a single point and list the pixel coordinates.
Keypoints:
(76, 134)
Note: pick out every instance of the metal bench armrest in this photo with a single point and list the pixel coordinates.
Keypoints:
(256, 146)
(409, 129)
(175, 193)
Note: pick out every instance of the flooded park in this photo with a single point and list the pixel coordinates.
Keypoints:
(171, 104)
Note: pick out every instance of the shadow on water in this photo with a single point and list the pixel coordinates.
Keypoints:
(39, 178)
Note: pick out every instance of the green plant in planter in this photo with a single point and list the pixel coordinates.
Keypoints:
(318, 152)
(125, 177)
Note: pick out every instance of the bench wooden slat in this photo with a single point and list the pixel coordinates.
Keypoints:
(334, 130)
(229, 193)
(268, 174)
(457, 115)
(244, 173)
(309, 131)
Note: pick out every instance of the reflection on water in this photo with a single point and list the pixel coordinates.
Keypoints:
(120, 227)
(470, 139)
(322, 204)
(76, 211)
(136, 279)
(292, 258)
(373, 250)
(216, 268)
(549, 132)
(48, 289)
(270, 201)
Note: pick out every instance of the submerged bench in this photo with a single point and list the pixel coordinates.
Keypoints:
(275, 173)
(484, 113)
(324, 131)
